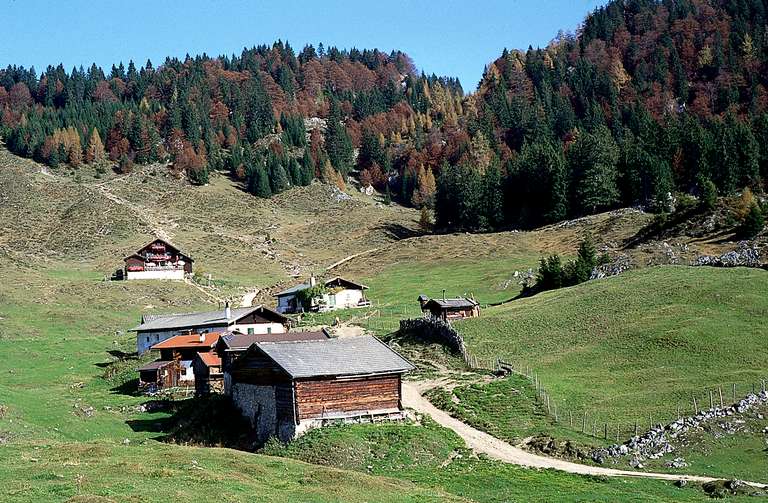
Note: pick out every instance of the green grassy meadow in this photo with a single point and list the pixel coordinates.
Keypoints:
(635, 345)
(431, 456)
(71, 429)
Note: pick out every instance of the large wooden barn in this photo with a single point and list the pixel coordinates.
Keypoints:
(158, 259)
(286, 388)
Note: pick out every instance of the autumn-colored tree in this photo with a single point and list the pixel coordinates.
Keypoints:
(95, 151)
(333, 177)
(424, 195)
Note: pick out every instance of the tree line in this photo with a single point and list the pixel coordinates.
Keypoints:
(650, 99)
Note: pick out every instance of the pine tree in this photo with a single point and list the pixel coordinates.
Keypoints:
(708, 194)
(307, 168)
(753, 223)
(592, 163)
(338, 144)
(259, 184)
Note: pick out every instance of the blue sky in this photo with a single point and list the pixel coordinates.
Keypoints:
(447, 38)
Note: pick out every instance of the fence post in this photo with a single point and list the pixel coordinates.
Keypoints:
(548, 410)
(720, 390)
(711, 401)
(734, 392)
(695, 407)
(636, 427)
(606, 431)
(570, 419)
(584, 423)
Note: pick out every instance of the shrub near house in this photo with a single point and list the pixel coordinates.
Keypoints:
(329, 295)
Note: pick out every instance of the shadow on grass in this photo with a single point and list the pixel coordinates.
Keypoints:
(129, 387)
(209, 421)
(398, 231)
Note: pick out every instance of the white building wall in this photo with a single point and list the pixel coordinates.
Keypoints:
(145, 340)
(149, 274)
(260, 328)
(344, 299)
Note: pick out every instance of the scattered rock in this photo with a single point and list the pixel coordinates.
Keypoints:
(677, 463)
(657, 442)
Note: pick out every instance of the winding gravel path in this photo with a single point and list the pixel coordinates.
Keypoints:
(502, 451)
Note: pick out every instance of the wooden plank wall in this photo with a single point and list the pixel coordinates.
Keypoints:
(314, 397)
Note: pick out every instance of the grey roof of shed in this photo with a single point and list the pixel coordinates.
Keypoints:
(335, 357)
(458, 303)
(204, 319)
(155, 365)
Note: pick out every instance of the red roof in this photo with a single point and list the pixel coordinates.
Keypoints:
(210, 359)
(188, 341)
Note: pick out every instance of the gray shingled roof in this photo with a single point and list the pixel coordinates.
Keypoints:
(235, 341)
(293, 289)
(335, 357)
(459, 303)
(171, 321)
(157, 364)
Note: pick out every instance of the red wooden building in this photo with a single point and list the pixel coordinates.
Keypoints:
(158, 259)
(177, 356)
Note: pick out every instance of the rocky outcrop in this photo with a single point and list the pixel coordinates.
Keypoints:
(745, 255)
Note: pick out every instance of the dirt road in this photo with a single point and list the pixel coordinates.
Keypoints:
(502, 451)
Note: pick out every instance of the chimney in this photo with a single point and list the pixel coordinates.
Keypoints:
(443, 294)
(202, 337)
(227, 311)
(312, 281)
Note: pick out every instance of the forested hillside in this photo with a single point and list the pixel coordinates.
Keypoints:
(245, 113)
(649, 98)
(648, 101)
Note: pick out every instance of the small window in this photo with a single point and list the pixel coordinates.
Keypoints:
(250, 331)
(269, 330)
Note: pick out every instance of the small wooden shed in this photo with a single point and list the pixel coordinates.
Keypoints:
(208, 375)
(450, 309)
(286, 388)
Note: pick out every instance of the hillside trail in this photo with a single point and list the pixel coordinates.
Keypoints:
(140, 211)
(502, 451)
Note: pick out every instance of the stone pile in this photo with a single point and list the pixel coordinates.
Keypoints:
(746, 255)
(658, 440)
(617, 266)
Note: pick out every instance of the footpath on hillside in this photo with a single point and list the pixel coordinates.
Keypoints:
(503, 451)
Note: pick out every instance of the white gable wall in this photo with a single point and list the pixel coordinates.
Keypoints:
(145, 340)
